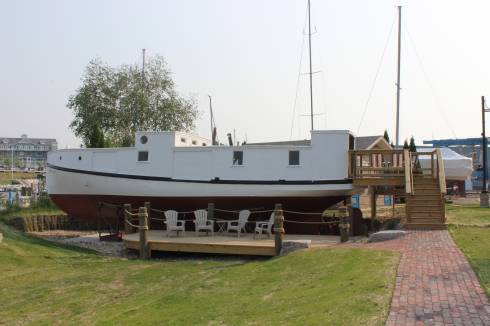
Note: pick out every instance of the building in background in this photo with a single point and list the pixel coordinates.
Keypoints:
(26, 153)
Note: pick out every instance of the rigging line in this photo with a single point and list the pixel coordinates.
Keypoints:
(373, 85)
(299, 77)
(429, 82)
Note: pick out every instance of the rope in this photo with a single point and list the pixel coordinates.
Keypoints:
(136, 226)
(129, 213)
(162, 211)
(158, 219)
(225, 210)
(305, 222)
(373, 85)
(110, 205)
(302, 213)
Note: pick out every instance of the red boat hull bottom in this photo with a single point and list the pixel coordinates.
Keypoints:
(86, 207)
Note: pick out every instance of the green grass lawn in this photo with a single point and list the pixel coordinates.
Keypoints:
(467, 215)
(44, 283)
(475, 243)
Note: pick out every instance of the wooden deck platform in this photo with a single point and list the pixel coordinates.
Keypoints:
(220, 244)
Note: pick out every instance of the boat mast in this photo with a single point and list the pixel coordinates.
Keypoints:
(311, 72)
(398, 76)
(213, 125)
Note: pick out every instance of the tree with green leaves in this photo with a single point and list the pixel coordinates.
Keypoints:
(115, 102)
(386, 136)
(405, 145)
(96, 137)
(411, 146)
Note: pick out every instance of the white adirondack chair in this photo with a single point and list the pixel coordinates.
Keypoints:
(239, 225)
(202, 223)
(264, 226)
(173, 223)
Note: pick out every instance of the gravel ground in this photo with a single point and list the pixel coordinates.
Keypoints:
(88, 240)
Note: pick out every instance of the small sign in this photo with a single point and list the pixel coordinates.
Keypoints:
(387, 200)
(355, 201)
(11, 197)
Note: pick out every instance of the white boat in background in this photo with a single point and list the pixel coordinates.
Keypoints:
(176, 170)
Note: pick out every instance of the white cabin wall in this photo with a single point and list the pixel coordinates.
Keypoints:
(261, 163)
(160, 154)
(195, 164)
(329, 154)
(325, 159)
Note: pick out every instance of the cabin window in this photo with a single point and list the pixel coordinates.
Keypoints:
(194, 142)
(204, 144)
(237, 158)
(142, 156)
(143, 140)
(182, 140)
(79, 158)
(293, 157)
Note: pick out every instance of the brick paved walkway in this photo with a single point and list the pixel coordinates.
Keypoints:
(435, 284)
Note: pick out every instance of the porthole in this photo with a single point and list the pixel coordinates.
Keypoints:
(143, 140)
(79, 158)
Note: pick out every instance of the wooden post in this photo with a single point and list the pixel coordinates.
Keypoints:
(143, 228)
(127, 228)
(211, 211)
(278, 228)
(147, 205)
(373, 206)
(343, 224)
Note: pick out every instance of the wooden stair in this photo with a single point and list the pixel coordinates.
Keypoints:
(425, 206)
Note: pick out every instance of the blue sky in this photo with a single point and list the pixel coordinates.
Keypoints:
(246, 54)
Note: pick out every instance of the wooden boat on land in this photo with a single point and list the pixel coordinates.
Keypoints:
(182, 171)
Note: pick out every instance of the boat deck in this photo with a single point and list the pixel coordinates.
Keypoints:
(220, 244)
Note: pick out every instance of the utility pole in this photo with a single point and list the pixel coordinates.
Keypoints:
(311, 72)
(484, 194)
(398, 77)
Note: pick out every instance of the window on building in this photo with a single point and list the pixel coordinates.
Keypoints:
(293, 157)
(143, 139)
(142, 156)
(237, 158)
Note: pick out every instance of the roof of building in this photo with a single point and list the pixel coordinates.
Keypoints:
(365, 142)
(304, 142)
(26, 140)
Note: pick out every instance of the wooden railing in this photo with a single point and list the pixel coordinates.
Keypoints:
(426, 168)
(441, 174)
(408, 172)
(381, 167)
(376, 164)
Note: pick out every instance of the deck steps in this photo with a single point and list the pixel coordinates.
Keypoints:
(425, 207)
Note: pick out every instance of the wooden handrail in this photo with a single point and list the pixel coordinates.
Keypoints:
(408, 171)
(375, 151)
(440, 171)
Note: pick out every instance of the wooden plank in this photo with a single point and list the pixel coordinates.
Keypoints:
(215, 248)
(408, 172)
(375, 151)
(379, 182)
(441, 174)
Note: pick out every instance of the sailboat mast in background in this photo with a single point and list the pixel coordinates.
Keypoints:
(311, 72)
(398, 77)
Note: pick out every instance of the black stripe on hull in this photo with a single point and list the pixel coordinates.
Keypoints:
(212, 181)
